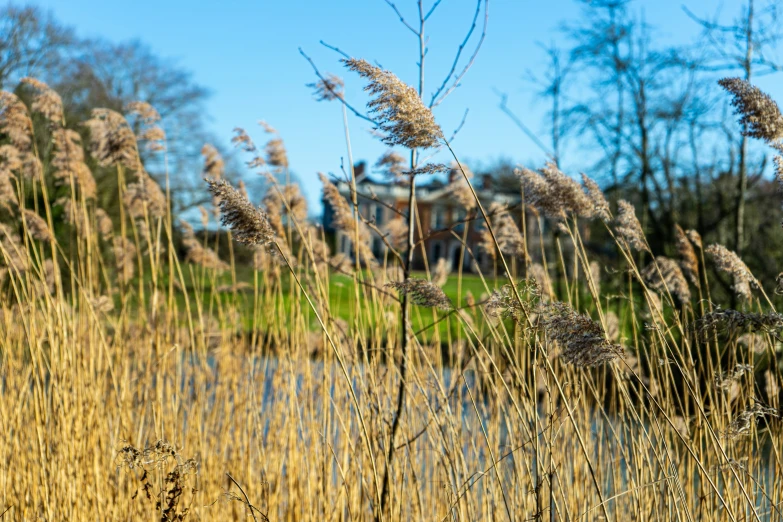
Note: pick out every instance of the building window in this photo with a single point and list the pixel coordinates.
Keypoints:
(437, 251)
(460, 216)
(438, 217)
(378, 214)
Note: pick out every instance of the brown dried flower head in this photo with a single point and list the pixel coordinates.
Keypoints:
(509, 238)
(458, 186)
(695, 238)
(422, 293)
(144, 197)
(596, 195)
(213, 161)
(628, 227)
(248, 223)
(343, 218)
(150, 132)
(242, 139)
(402, 115)
(440, 275)
(729, 262)
(112, 141)
(37, 226)
(15, 121)
(104, 224)
(733, 321)
(665, 274)
(688, 258)
(583, 341)
(391, 164)
(197, 253)
(125, 258)
(397, 232)
(537, 193)
(760, 115)
(328, 88)
(276, 154)
(46, 101)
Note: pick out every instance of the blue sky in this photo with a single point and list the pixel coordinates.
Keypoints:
(246, 53)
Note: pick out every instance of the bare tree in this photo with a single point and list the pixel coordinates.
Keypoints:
(745, 45)
(32, 42)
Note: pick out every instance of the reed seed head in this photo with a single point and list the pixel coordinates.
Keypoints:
(112, 141)
(583, 341)
(664, 275)
(628, 227)
(249, 224)
(422, 293)
(328, 88)
(760, 115)
(730, 263)
(402, 115)
(46, 101)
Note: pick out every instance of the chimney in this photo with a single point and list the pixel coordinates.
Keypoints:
(486, 181)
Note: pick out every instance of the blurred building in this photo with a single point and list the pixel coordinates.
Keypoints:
(442, 223)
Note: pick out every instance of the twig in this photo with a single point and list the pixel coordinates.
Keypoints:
(402, 19)
(329, 87)
(440, 94)
(247, 500)
(524, 128)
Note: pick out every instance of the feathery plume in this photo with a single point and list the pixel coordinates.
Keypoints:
(761, 116)
(629, 228)
(422, 293)
(538, 273)
(509, 238)
(213, 161)
(249, 224)
(104, 224)
(328, 88)
(695, 238)
(567, 192)
(267, 128)
(730, 321)
(199, 254)
(397, 232)
(391, 164)
(9, 162)
(440, 275)
(144, 196)
(537, 193)
(402, 116)
(124, 256)
(729, 262)
(742, 423)
(583, 341)
(343, 218)
(665, 274)
(503, 303)
(14, 254)
(242, 139)
(688, 258)
(150, 131)
(15, 122)
(37, 226)
(459, 189)
(46, 101)
(112, 141)
(276, 154)
(68, 162)
(596, 195)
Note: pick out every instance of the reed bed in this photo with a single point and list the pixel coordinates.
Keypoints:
(147, 374)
